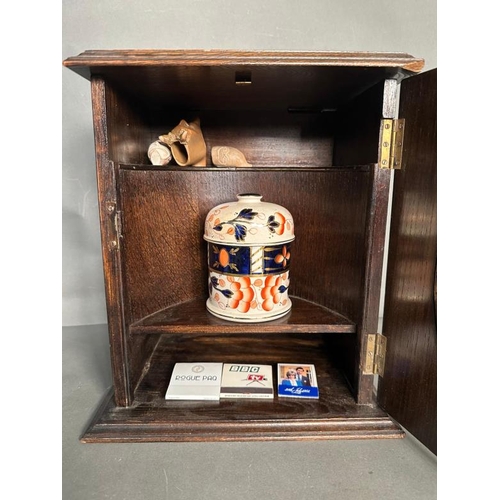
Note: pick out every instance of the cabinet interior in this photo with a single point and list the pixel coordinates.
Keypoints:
(286, 117)
(311, 134)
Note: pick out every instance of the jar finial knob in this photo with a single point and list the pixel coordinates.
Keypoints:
(249, 197)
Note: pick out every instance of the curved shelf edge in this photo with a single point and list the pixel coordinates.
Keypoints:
(192, 317)
(136, 167)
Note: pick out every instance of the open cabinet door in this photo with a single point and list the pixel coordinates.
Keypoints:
(408, 388)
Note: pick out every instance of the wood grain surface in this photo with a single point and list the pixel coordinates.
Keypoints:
(163, 222)
(110, 242)
(335, 415)
(408, 389)
(266, 138)
(197, 80)
(356, 127)
(308, 122)
(140, 57)
(129, 134)
(193, 317)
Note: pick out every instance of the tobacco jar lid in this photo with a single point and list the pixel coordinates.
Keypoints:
(249, 221)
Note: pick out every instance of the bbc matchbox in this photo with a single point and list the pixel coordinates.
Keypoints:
(195, 381)
(297, 381)
(247, 381)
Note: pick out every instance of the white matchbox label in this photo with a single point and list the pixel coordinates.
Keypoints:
(196, 381)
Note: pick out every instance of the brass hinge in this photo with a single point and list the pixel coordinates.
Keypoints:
(375, 354)
(118, 224)
(115, 226)
(391, 143)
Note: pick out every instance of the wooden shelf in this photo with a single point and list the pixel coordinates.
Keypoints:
(253, 168)
(193, 317)
(335, 415)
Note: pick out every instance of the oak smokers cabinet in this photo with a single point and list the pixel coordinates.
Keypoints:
(322, 135)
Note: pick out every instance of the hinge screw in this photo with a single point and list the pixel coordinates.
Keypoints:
(386, 144)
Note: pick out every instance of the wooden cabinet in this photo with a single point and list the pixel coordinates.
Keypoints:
(313, 127)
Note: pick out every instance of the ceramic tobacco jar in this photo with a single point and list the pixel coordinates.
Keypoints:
(249, 249)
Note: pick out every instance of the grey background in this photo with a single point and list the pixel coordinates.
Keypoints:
(369, 25)
(346, 470)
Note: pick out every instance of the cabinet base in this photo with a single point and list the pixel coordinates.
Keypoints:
(153, 424)
(335, 415)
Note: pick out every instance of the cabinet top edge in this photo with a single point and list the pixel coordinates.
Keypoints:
(155, 57)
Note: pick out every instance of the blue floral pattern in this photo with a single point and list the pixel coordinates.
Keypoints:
(240, 231)
(214, 285)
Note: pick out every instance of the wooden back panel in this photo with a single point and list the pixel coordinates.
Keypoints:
(163, 215)
(277, 138)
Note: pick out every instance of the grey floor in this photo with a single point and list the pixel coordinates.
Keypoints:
(346, 470)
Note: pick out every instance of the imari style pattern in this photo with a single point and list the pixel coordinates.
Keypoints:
(249, 260)
(249, 252)
(246, 294)
(248, 223)
(275, 224)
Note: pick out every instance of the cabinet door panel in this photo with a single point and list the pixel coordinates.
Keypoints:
(407, 391)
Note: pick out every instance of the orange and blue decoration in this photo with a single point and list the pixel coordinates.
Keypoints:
(245, 293)
(275, 224)
(248, 260)
(249, 257)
